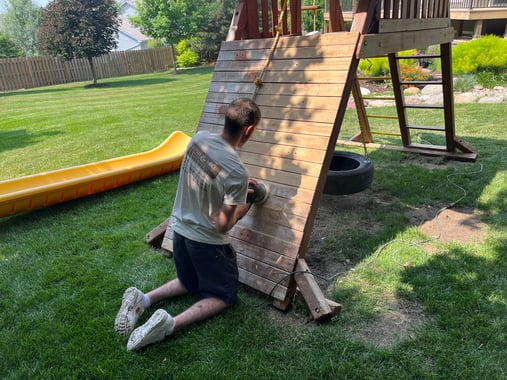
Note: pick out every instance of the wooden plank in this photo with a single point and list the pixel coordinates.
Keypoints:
(282, 76)
(262, 270)
(404, 25)
(327, 102)
(277, 291)
(321, 40)
(155, 236)
(282, 164)
(269, 89)
(313, 63)
(374, 45)
(313, 296)
(271, 257)
(284, 151)
(311, 52)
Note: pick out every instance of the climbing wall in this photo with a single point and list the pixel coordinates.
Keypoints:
(302, 103)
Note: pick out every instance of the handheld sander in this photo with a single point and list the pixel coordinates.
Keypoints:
(260, 194)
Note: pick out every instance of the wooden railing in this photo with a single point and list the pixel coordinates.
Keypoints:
(30, 72)
(413, 9)
(351, 5)
(473, 4)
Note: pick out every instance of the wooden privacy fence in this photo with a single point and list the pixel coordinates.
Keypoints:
(30, 72)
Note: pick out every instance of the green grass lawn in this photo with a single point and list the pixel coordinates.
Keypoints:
(63, 269)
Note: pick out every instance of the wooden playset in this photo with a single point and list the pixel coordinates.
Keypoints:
(302, 85)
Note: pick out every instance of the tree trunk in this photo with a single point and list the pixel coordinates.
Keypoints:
(92, 67)
(173, 52)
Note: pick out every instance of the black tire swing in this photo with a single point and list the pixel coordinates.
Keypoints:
(349, 173)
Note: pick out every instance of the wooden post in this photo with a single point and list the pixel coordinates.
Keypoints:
(448, 94)
(319, 306)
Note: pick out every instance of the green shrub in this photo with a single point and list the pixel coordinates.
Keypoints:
(490, 79)
(488, 53)
(409, 53)
(186, 57)
(155, 43)
(8, 48)
(465, 82)
(374, 67)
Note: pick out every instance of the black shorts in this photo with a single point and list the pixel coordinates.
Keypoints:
(207, 269)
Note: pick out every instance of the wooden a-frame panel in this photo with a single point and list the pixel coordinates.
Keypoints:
(303, 97)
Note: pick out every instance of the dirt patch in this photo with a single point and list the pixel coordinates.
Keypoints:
(459, 225)
(400, 317)
(397, 323)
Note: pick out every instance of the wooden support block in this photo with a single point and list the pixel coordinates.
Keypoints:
(319, 306)
(155, 236)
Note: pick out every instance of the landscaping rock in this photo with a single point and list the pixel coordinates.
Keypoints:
(491, 99)
(432, 89)
(411, 91)
(465, 97)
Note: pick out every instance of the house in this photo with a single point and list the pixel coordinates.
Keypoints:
(129, 37)
(475, 18)
(470, 18)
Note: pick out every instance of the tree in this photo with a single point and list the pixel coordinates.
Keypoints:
(79, 29)
(313, 20)
(216, 20)
(21, 23)
(169, 20)
(8, 48)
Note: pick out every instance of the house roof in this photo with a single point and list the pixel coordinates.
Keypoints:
(127, 28)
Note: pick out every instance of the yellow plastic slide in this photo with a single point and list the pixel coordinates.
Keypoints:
(44, 189)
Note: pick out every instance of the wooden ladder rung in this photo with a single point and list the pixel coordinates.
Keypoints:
(425, 106)
(422, 56)
(367, 97)
(382, 117)
(373, 78)
(421, 82)
(439, 148)
(426, 128)
(385, 134)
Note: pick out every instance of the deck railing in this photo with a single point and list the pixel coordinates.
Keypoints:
(473, 4)
(350, 5)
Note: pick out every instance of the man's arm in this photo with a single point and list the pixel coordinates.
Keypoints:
(229, 215)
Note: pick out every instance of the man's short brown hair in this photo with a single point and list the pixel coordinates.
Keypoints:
(241, 113)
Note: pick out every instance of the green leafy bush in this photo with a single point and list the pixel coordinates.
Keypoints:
(374, 67)
(8, 48)
(186, 57)
(490, 79)
(488, 53)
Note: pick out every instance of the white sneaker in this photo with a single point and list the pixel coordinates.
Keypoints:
(154, 330)
(132, 306)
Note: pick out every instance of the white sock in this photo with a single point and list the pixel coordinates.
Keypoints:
(170, 328)
(146, 302)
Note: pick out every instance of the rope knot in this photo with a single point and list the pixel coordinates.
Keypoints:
(258, 82)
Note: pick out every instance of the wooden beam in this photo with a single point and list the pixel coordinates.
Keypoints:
(374, 45)
(404, 25)
(155, 236)
(311, 293)
(238, 22)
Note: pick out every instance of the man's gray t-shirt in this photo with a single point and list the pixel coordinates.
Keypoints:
(211, 175)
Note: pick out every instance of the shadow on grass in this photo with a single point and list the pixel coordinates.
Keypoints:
(133, 81)
(19, 138)
(403, 184)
